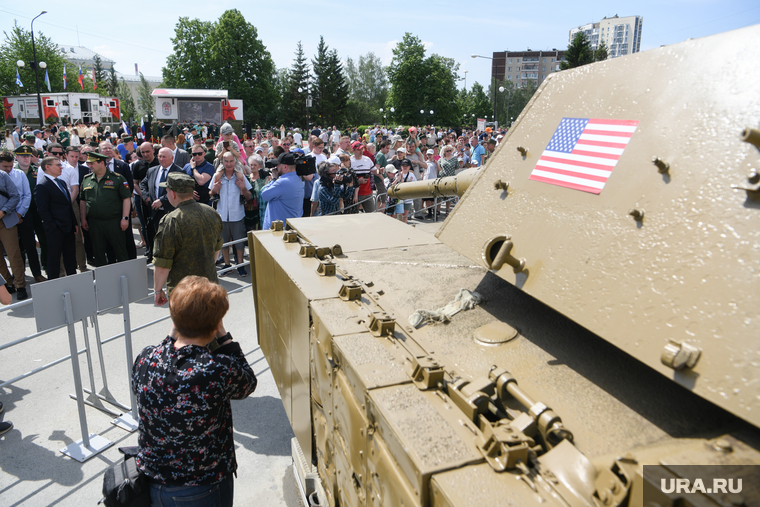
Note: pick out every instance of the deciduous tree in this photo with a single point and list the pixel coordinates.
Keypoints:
(225, 54)
(18, 46)
(422, 84)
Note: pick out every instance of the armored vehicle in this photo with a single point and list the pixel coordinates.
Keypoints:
(582, 328)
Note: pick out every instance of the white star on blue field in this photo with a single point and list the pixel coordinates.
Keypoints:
(567, 134)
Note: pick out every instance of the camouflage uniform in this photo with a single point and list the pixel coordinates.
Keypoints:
(186, 241)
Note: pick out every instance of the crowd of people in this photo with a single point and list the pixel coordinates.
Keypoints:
(74, 190)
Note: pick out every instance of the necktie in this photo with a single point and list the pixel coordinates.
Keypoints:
(162, 190)
(63, 188)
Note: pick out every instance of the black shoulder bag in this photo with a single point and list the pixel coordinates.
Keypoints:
(124, 485)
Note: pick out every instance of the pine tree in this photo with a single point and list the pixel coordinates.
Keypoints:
(337, 89)
(100, 76)
(601, 52)
(145, 100)
(578, 53)
(127, 103)
(320, 89)
(294, 101)
(113, 82)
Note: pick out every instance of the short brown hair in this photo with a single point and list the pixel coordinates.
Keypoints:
(197, 305)
(45, 162)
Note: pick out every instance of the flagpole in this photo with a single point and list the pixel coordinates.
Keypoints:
(37, 75)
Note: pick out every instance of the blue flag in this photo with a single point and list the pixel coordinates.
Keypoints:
(47, 80)
(18, 80)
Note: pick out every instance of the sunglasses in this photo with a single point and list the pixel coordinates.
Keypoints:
(56, 153)
(198, 153)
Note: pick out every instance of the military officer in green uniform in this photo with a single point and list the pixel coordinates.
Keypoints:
(188, 240)
(104, 205)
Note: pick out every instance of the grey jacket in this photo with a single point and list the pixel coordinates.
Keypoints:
(8, 204)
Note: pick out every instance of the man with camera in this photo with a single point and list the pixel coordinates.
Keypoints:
(364, 169)
(335, 183)
(233, 193)
(284, 195)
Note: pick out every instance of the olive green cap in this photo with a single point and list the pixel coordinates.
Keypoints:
(24, 149)
(94, 156)
(179, 182)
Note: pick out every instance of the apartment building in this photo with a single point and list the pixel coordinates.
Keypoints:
(621, 35)
(520, 67)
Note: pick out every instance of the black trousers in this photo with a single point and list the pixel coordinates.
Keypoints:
(152, 230)
(61, 243)
(29, 245)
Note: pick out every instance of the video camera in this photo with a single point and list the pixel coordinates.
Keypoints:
(305, 165)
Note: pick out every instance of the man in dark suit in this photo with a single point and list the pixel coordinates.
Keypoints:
(54, 206)
(119, 167)
(181, 157)
(154, 196)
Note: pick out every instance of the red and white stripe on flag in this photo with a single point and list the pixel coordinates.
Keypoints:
(583, 152)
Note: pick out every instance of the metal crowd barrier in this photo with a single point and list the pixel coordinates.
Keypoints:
(95, 325)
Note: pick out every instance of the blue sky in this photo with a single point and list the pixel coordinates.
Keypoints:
(142, 33)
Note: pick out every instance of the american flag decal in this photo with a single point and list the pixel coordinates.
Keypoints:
(583, 152)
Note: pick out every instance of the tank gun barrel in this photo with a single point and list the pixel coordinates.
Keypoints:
(439, 187)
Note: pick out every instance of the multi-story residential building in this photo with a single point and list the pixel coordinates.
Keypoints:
(520, 67)
(621, 35)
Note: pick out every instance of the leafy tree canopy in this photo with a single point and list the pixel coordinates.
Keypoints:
(224, 54)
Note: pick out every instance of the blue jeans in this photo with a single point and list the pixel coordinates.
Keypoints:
(216, 495)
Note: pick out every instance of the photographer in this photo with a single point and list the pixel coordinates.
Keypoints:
(284, 195)
(335, 184)
(183, 388)
(233, 192)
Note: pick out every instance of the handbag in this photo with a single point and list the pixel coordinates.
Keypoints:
(124, 485)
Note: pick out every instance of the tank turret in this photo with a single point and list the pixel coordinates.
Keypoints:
(582, 328)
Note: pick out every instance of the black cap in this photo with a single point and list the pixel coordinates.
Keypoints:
(285, 157)
(406, 161)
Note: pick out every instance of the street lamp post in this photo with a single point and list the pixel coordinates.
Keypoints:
(383, 111)
(308, 105)
(34, 65)
(501, 89)
(493, 82)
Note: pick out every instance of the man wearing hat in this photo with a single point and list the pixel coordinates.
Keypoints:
(154, 196)
(210, 153)
(126, 147)
(364, 169)
(29, 140)
(284, 196)
(39, 143)
(188, 240)
(104, 208)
